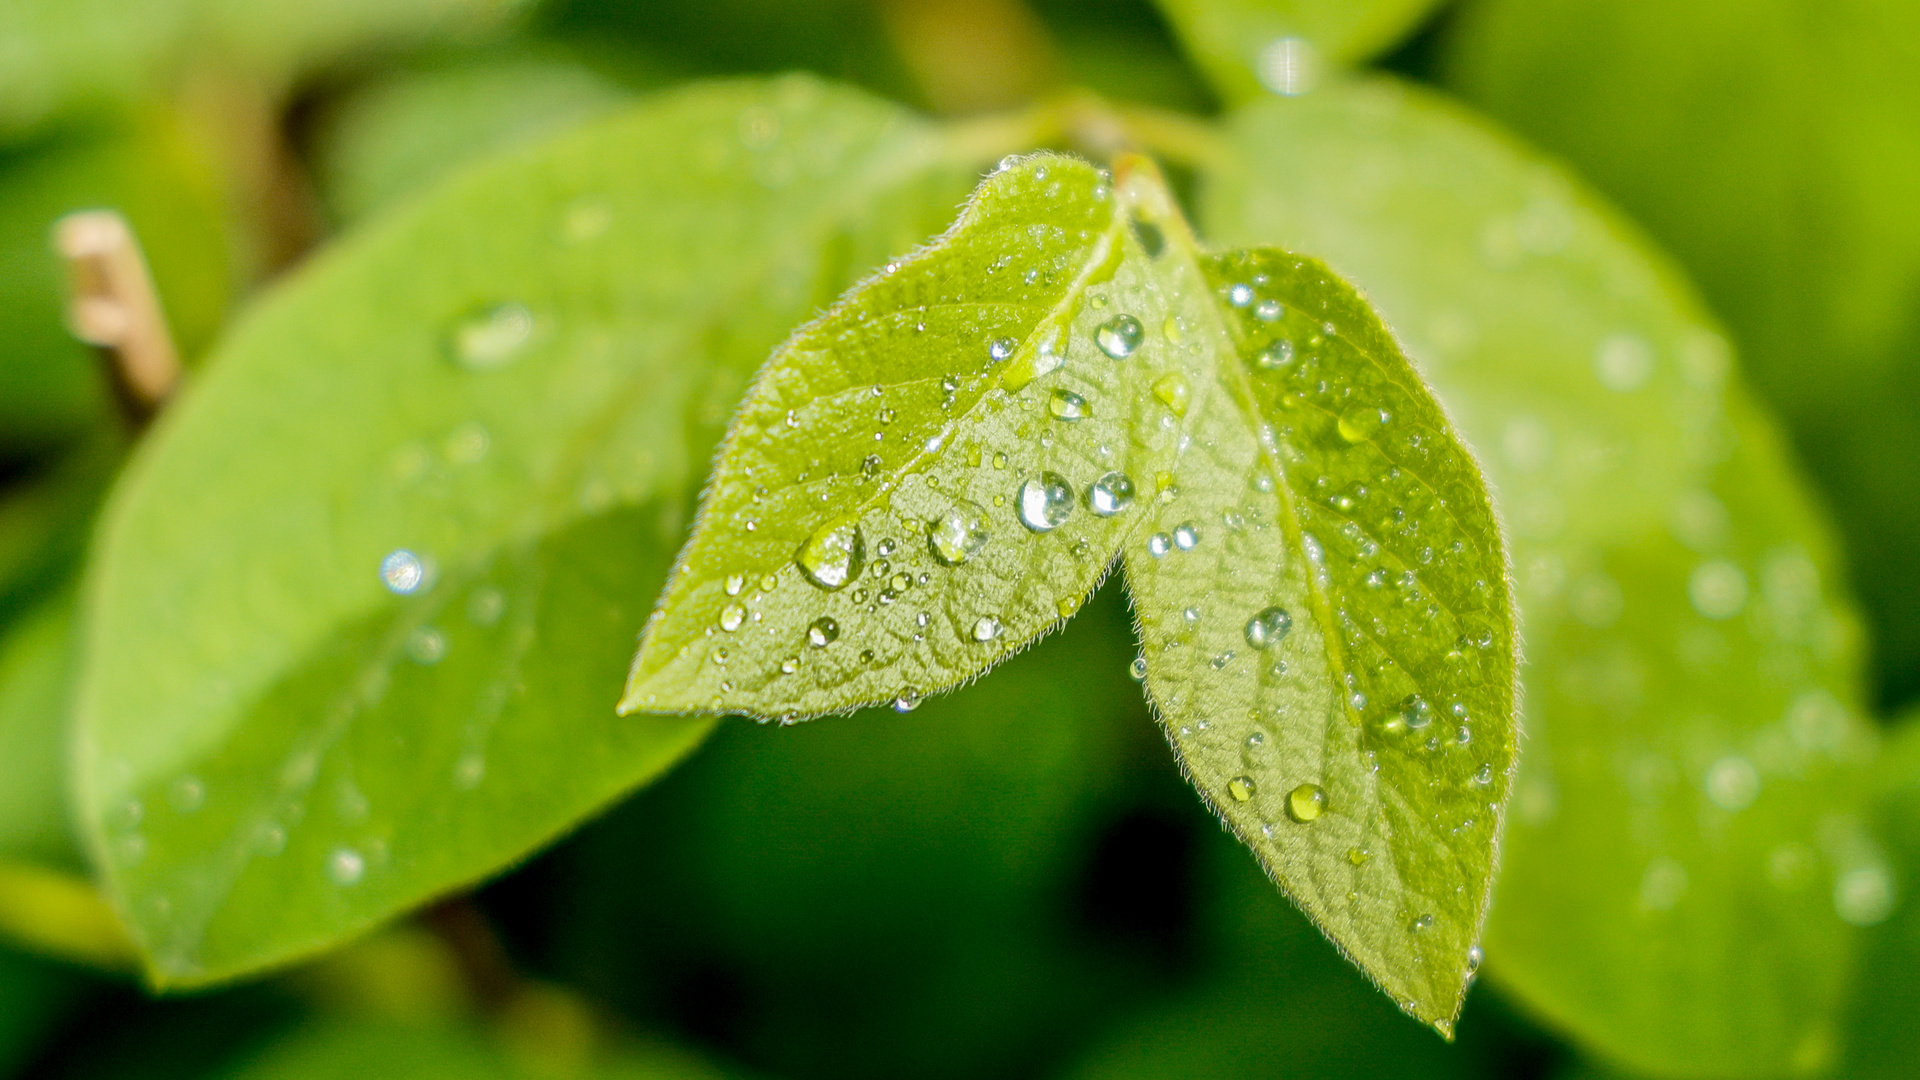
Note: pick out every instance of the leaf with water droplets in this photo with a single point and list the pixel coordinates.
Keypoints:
(1692, 791)
(938, 468)
(1133, 416)
(363, 599)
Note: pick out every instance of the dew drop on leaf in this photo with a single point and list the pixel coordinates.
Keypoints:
(346, 866)
(1067, 405)
(958, 534)
(1240, 294)
(1110, 494)
(1306, 802)
(1186, 536)
(1000, 348)
(1046, 502)
(1265, 629)
(822, 632)
(1277, 355)
(1138, 669)
(1159, 544)
(735, 583)
(492, 337)
(986, 628)
(1360, 424)
(1173, 392)
(1119, 336)
(1241, 788)
(1268, 310)
(731, 617)
(403, 572)
(833, 555)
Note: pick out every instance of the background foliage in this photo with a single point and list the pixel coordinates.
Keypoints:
(483, 281)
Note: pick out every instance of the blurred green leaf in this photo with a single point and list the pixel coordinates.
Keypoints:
(409, 128)
(1247, 47)
(357, 616)
(1691, 788)
(62, 56)
(36, 673)
(353, 1050)
(1062, 346)
(33, 993)
(1772, 145)
(1881, 1042)
(51, 386)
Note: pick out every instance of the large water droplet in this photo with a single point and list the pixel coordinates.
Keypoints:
(1159, 544)
(1046, 503)
(833, 555)
(958, 534)
(732, 617)
(1119, 336)
(1186, 536)
(1110, 494)
(1306, 802)
(403, 572)
(1416, 712)
(492, 337)
(1241, 788)
(822, 632)
(1067, 405)
(986, 628)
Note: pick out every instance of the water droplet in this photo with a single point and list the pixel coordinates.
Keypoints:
(467, 444)
(986, 628)
(1485, 774)
(1192, 614)
(1268, 311)
(1000, 348)
(735, 583)
(1119, 336)
(1110, 494)
(822, 632)
(833, 555)
(1415, 711)
(1138, 669)
(1046, 503)
(1358, 425)
(732, 617)
(1067, 405)
(492, 337)
(1663, 884)
(908, 701)
(346, 866)
(1306, 802)
(1424, 922)
(1733, 783)
(720, 657)
(1265, 629)
(188, 794)
(1358, 856)
(1186, 536)
(1159, 544)
(1718, 589)
(1241, 788)
(792, 663)
(1474, 959)
(1623, 362)
(958, 534)
(1864, 896)
(1173, 392)
(403, 572)
(1277, 355)
(1240, 294)
(426, 645)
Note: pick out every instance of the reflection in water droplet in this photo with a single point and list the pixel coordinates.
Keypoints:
(1485, 774)
(1306, 802)
(1358, 425)
(1241, 788)
(1358, 856)
(1138, 669)
(1159, 544)
(735, 583)
(732, 617)
(1265, 629)
(1110, 494)
(1173, 392)
(403, 572)
(822, 632)
(1000, 348)
(1415, 712)
(1186, 536)
(833, 555)
(1046, 503)
(1067, 405)
(1268, 311)
(986, 628)
(1424, 922)
(346, 866)
(492, 337)
(1119, 336)
(908, 701)
(958, 534)
(1277, 355)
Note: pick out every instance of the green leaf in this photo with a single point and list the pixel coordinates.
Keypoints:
(1881, 1042)
(340, 1049)
(1771, 146)
(359, 605)
(36, 672)
(939, 469)
(1691, 788)
(1250, 46)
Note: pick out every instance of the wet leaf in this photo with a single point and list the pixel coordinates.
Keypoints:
(939, 469)
(1287, 46)
(361, 603)
(1691, 789)
(36, 671)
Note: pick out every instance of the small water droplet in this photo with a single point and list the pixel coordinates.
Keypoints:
(188, 794)
(1415, 712)
(908, 701)
(1266, 628)
(1000, 348)
(1173, 392)
(1358, 856)
(735, 583)
(1484, 775)
(1241, 788)
(1046, 503)
(346, 866)
(833, 555)
(986, 628)
(1067, 405)
(1119, 336)
(1110, 494)
(1733, 783)
(1159, 544)
(1240, 294)
(426, 645)
(1360, 424)
(1192, 614)
(1268, 311)
(732, 617)
(1186, 536)
(492, 337)
(403, 572)
(1138, 669)
(822, 632)
(792, 663)
(1424, 922)
(1864, 895)
(1718, 589)
(1306, 802)
(958, 534)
